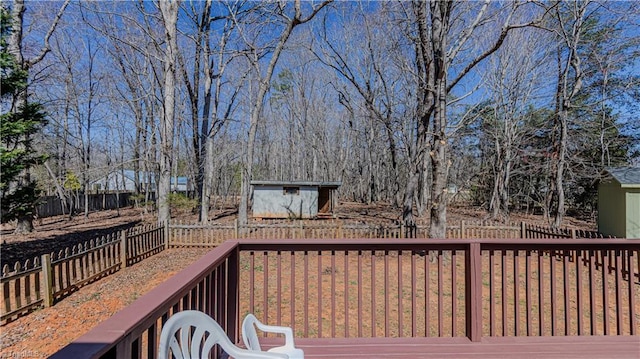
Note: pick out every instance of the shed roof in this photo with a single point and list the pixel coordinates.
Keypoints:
(298, 183)
(628, 177)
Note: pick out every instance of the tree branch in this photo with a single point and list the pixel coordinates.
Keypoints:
(46, 47)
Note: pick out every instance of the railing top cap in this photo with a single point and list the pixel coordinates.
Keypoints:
(444, 242)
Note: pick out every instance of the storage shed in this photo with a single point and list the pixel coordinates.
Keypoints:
(619, 202)
(293, 199)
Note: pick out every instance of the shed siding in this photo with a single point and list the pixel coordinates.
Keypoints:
(633, 214)
(272, 202)
(611, 209)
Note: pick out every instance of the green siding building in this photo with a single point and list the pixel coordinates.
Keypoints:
(619, 203)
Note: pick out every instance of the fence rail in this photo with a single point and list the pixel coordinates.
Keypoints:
(51, 277)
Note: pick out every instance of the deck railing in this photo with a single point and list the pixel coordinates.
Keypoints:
(400, 288)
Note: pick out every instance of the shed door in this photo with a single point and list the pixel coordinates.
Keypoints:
(324, 200)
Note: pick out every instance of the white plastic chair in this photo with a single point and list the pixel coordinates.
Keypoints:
(250, 337)
(184, 333)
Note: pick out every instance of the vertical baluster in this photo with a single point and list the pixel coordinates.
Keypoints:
(346, 294)
(319, 274)
(605, 291)
(492, 294)
(527, 279)
(414, 309)
(440, 294)
(619, 279)
(579, 265)
(306, 293)
(333, 294)
(516, 291)
(427, 289)
(567, 291)
(632, 307)
(400, 293)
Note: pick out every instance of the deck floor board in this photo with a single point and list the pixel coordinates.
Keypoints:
(495, 347)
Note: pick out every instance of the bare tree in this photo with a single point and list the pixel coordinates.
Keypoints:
(264, 81)
(205, 88)
(439, 46)
(169, 10)
(373, 65)
(513, 78)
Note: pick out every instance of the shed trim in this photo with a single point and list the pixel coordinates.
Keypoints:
(320, 184)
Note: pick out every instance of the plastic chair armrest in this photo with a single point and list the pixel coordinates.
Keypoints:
(288, 332)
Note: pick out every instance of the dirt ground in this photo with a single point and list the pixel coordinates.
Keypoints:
(45, 331)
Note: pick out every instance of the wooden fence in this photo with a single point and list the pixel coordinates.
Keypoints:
(52, 205)
(532, 231)
(51, 277)
(188, 234)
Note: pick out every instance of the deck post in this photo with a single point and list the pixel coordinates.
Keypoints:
(233, 296)
(47, 280)
(473, 292)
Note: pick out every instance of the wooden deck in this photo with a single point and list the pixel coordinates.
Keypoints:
(491, 347)
(587, 306)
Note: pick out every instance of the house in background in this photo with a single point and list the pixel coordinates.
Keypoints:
(293, 199)
(619, 202)
(123, 181)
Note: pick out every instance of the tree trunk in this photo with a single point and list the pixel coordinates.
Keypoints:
(169, 10)
(559, 176)
(424, 107)
(569, 85)
(440, 12)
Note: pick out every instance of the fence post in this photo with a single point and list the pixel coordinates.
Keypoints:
(301, 229)
(402, 229)
(473, 292)
(523, 230)
(235, 229)
(47, 279)
(463, 229)
(573, 233)
(166, 232)
(123, 248)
